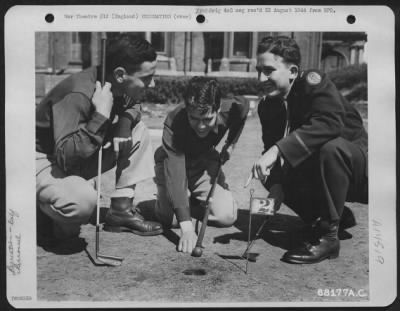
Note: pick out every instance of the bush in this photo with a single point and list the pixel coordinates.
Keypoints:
(347, 77)
(351, 80)
(170, 89)
(358, 93)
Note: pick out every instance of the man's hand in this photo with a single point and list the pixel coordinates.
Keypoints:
(225, 154)
(103, 99)
(188, 237)
(276, 193)
(263, 166)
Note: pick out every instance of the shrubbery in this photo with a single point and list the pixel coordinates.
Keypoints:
(351, 80)
(348, 77)
(170, 89)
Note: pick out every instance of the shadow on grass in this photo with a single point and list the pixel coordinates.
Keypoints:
(281, 230)
(65, 247)
(46, 239)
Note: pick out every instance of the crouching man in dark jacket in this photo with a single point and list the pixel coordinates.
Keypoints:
(315, 147)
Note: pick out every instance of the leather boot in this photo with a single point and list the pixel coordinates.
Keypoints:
(122, 217)
(347, 221)
(326, 246)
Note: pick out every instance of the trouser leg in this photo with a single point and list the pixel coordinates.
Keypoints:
(342, 169)
(301, 192)
(321, 185)
(68, 200)
(201, 175)
(133, 166)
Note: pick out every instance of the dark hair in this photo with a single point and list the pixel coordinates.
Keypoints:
(202, 94)
(128, 51)
(282, 46)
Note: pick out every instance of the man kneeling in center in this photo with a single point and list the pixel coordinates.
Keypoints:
(187, 162)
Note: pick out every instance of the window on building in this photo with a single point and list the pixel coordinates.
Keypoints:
(76, 48)
(80, 49)
(157, 40)
(333, 61)
(241, 44)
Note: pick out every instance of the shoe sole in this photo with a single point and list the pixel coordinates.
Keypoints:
(125, 229)
(332, 256)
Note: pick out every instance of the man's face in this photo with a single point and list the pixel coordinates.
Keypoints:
(135, 83)
(274, 74)
(202, 123)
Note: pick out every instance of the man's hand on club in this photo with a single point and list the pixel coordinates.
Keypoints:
(188, 237)
(103, 99)
(262, 167)
(276, 193)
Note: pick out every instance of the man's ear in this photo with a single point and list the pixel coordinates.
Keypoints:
(294, 72)
(119, 74)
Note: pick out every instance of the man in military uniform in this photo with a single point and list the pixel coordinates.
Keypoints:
(74, 120)
(187, 162)
(315, 147)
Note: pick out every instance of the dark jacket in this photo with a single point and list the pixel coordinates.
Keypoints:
(317, 114)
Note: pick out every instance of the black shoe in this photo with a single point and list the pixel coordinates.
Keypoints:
(313, 252)
(323, 244)
(121, 217)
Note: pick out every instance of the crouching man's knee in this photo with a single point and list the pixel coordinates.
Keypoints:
(85, 206)
(224, 212)
(71, 201)
(332, 150)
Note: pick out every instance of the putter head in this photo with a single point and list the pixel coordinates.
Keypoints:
(194, 272)
(252, 257)
(113, 261)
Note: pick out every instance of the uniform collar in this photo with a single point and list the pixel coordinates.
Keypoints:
(294, 89)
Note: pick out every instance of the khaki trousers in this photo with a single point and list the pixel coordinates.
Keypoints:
(70, 200)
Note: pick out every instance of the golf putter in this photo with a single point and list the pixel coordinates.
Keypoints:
(105, 259)
(198, 250)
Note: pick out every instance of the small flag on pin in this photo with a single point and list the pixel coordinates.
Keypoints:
(262, 206)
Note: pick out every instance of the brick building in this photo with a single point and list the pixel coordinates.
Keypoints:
(193, 53)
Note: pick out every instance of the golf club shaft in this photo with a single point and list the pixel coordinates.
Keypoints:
(98, 199)
(208, 208)
(100, 155)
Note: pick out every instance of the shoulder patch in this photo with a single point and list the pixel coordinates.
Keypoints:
(313, 78)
